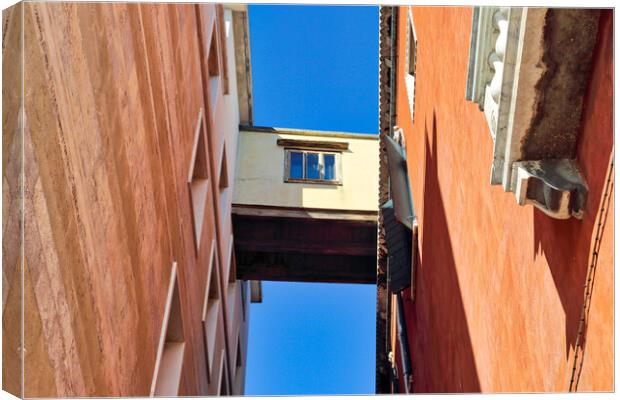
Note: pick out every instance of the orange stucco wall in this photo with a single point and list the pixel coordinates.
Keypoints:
(112, 94)
(499, 286)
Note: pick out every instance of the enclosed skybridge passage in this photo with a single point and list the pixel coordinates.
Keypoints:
(305, 206)
(305, 246)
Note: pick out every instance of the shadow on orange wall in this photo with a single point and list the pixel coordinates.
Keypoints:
(566, 244)
(442, 353)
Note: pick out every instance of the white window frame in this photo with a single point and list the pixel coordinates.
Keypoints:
(492, 80)
(410, 62)
(321, 180)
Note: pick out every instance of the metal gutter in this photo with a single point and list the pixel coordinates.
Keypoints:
(391, 119)
(387, 99)
(403, 342)
(393, 69)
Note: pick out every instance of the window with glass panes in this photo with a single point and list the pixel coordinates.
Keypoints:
(313, 166)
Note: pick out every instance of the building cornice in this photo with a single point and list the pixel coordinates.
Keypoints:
(243, 62)
(307, 132)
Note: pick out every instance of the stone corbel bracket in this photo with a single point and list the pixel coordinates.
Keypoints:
(528, 72)
(554, 186)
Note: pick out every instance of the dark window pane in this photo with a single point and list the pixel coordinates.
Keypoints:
(297, 165)
(312, 166)
(329, 160)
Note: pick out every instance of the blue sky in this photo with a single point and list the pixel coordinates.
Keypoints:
(314, 67)
(312, 338)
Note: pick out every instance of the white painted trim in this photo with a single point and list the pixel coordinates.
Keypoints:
(209, 328)
(511, 145)
(221, 372)
(197, 133)
(410, 78)
(210, 331)
(493, 79)
(164, 327)
(209, 272)
(198, 187)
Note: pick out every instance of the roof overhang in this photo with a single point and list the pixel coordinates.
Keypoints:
(243, 64)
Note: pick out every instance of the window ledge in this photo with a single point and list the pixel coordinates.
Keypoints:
(314, 182)
(313, 144)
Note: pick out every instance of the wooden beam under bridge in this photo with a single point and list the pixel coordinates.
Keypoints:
(305, 246)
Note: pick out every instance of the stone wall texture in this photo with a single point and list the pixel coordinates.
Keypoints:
(500, 288)
(112, 94)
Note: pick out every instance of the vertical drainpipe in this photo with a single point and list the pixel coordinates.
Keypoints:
(392, 122)
(393, 35)
(404, 343)
(401, 325)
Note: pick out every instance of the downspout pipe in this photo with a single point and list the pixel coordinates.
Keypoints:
(391, 122)
(404, 343)
(393, 35)
(401, 326)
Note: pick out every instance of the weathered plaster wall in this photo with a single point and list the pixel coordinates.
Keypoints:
(11, 197)
(499, 287)
(112, 97)
(569, 36)
(260, 177)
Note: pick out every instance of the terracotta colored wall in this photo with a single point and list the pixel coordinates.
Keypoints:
(499, 287)
(112, 96)
(11, 194)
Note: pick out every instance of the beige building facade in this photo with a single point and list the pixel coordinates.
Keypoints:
(264, 169)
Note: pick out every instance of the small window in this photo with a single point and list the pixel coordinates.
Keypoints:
(244, 297)
(238, 365)
(239, 362)
(233, 295)
(232, 262)
(312, 166)
(224, 390)
(223, 184)
(223, 181)
(211, 308)
(224, 30)
(213, 63)
(410, 60)
(172, 345)
(198, 179)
